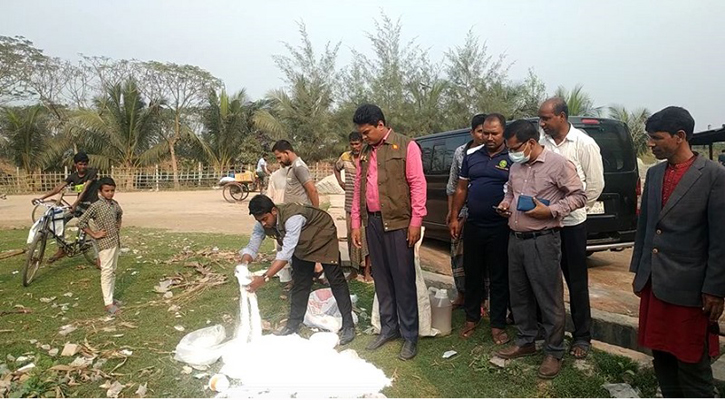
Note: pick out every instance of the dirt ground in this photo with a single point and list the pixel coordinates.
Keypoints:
(189, 211)
(206, 211)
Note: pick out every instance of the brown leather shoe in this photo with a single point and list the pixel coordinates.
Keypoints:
(550, 367)
(512, 352)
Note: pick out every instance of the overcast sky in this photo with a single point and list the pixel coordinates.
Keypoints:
(636, 53)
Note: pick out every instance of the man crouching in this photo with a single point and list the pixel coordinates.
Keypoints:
(307, 236)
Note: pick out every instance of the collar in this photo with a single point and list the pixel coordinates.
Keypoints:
(482, 147)
(384, 139)
(542, 156)
(571, 136)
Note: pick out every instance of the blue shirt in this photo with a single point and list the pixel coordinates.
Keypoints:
(487, 177)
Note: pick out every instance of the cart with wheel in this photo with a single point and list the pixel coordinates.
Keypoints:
(237, 188)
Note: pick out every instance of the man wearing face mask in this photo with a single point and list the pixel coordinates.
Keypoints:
(576, 146)
(483, 175)
(543, 187)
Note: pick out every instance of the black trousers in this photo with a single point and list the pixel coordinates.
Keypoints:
(485, 254)
(681, 379)
(300, 292)
(574, 268)
(394, 273)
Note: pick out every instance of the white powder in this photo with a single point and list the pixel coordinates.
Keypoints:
(290, 366)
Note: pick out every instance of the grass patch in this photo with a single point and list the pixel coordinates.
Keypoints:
(146, 328)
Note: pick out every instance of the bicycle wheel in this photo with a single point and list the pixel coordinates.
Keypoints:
(38, 211)
(35, 256)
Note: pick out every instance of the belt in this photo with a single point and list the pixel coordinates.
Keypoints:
(375, 213)
(531, 235)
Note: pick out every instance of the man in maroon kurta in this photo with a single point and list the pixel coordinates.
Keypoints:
(680, 271)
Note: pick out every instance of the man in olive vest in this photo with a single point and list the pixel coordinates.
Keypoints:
(307, 236)
(389, 200)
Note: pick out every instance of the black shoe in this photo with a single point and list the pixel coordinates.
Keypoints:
(409, 350)
(286, 331)
(381, 340)
(347, 335)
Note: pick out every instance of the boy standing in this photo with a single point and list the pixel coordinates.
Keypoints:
(106, 214)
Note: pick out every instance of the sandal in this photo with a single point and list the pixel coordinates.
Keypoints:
(584, 346)
(113, 309)
(500, 336)
(54, 258)
(468, 329)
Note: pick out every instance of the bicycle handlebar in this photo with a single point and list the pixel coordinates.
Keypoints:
(52, 204)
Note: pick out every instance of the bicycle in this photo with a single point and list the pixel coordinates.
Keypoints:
(52, 224)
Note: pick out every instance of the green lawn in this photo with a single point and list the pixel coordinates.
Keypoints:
(146, 328)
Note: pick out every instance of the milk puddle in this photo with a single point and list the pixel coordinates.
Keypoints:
(268, 366)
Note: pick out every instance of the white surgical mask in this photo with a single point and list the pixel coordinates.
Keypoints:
(518, 156)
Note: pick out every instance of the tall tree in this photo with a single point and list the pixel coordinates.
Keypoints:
(302, 111)
(18, 59)
(184, 89)
(122, 129)
(477, 80)
(532, 92)
(578, 101)
(227, 120)
(635, 121)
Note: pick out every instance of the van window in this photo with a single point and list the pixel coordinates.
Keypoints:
(615, 146)
(439, 158)
(452, 143)
(426, 148)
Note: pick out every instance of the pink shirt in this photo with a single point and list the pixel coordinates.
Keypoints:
(413, 174)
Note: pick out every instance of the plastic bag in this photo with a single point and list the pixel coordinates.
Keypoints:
(425, 327)
(322, 311)
(201, 347)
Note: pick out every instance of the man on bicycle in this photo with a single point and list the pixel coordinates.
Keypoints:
(262, 172)
(84, 181)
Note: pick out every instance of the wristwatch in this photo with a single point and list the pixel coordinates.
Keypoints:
(266, 278)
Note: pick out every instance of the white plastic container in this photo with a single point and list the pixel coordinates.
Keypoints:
(441, 311)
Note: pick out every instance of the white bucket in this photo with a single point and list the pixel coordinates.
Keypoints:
(285, 274)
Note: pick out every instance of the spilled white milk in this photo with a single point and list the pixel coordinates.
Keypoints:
(268, 366)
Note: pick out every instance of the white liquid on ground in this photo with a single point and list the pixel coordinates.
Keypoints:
(289, 366)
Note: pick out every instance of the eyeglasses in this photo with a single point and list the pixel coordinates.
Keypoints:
(518, 147)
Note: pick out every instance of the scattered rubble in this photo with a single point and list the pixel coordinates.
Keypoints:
(66, 329)
(621, 390)
(499, 362)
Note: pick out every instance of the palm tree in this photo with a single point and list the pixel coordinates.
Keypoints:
(303, 116)
(578, 101)
(26, 135)
(635, 121)
(121, 130)
(227, 120)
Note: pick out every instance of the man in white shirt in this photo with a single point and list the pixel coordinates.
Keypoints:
(262, 171)
(563, 138)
